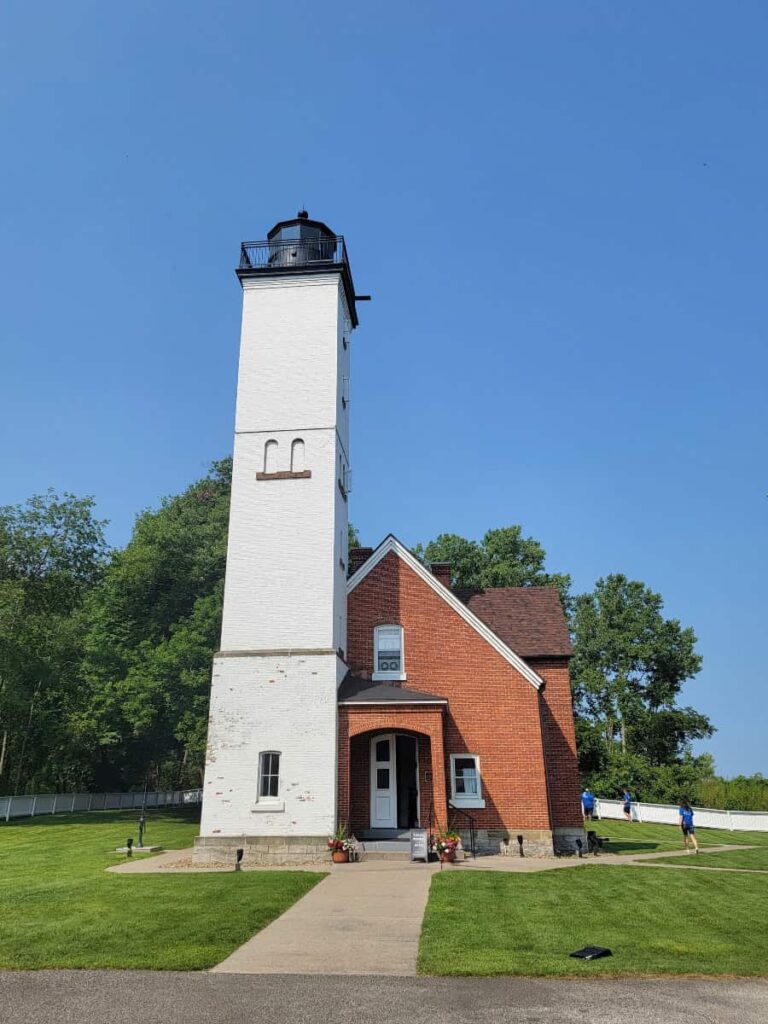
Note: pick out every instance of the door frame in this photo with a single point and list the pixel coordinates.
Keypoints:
(392, 737)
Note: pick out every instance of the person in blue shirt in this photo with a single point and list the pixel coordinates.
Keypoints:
(587, 804)
(686, 824)
(626, 797)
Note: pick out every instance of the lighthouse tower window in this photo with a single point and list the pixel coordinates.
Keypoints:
(388, 660)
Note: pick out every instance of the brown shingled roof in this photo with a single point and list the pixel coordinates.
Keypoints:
(530, 620)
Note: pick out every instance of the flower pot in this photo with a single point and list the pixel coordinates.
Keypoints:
(447, 856)
(340, 856)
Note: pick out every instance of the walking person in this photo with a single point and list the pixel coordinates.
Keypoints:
(626, 797)
(587, 804)
(686, 824)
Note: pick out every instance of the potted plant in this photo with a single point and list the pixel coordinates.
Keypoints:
(340, 844)
(445, 844)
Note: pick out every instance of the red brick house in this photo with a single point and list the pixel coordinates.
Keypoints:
(457, 708)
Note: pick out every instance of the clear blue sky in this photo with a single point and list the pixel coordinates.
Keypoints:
(559, 208)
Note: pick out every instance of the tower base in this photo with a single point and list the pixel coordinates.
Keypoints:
(266, 851)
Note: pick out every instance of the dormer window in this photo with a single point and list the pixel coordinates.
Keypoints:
(388, 662)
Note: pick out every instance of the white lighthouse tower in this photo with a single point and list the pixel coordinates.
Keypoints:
(270, 776)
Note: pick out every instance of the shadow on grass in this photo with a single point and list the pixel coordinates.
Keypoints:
(623, 846)
(189, 815)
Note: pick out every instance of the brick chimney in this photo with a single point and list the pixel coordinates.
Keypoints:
(357, 556)
(442, 570)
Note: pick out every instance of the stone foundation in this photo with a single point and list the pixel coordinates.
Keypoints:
(488, 841)
(212, 851)
(565, 839)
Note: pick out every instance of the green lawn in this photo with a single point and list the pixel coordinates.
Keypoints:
(756, 860)
(655, 921)
(59, 908)
(626, 837)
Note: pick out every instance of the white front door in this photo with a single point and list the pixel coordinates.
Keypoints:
(383, 782)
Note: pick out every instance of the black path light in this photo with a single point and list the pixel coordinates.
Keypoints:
(129, 846)
(520, 844)
(239, 859)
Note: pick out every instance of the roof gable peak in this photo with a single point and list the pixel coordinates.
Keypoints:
(391, 544)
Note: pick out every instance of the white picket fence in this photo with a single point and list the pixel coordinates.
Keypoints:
(705, 817)
(58, 803)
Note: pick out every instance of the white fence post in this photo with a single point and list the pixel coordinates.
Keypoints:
(34, 804)
(730, 822)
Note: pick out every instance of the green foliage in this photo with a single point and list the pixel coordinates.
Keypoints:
(52, 554)
(353, 537)
(504, 558)
(62, 909)
(742, 793)
(155, 622)
(628, 669)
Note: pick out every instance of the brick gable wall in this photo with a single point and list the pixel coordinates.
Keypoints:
(493, 711)
(559, 741)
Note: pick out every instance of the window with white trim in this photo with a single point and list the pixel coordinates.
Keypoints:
(269, 774)
(465, 781)
(388, 660)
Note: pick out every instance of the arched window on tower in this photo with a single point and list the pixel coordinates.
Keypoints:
(297, 456)
(270, 457)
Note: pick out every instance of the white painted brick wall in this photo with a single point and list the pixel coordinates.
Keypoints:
(286, 704)
(285, 586)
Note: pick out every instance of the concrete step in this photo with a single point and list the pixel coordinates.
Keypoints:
(387, 846)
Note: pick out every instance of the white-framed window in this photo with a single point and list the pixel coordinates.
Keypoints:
(269, 774)
(466, 790)
(388, 654)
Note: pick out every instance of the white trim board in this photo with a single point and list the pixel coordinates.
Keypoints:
(391, 543)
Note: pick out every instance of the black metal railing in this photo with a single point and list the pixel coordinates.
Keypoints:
(471, 828)
(285, 253)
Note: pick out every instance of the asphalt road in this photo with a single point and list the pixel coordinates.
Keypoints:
(128, 997)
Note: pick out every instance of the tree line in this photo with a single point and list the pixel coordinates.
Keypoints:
(105, 655)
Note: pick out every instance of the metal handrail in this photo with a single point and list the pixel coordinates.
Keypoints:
(290, 252)
(472, 826)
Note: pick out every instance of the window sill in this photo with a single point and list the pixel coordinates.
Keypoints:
(267, 807)
(390, 677)
(305, 474)
(467, 801)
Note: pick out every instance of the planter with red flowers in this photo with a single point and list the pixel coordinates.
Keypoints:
(445, 845)
(340, 844)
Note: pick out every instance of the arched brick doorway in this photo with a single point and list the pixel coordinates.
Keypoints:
(396, 751)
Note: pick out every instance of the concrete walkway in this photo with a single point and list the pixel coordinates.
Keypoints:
(363, 919)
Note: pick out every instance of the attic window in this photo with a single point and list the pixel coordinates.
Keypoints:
(388, 653)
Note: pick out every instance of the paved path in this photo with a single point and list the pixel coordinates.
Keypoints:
(365, 919)
(166, 997)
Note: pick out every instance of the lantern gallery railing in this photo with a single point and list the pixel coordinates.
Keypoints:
(284, 253)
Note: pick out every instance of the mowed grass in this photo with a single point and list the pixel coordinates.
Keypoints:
(655, 921)
(637, 837)
(59, 908)
(753, 860)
